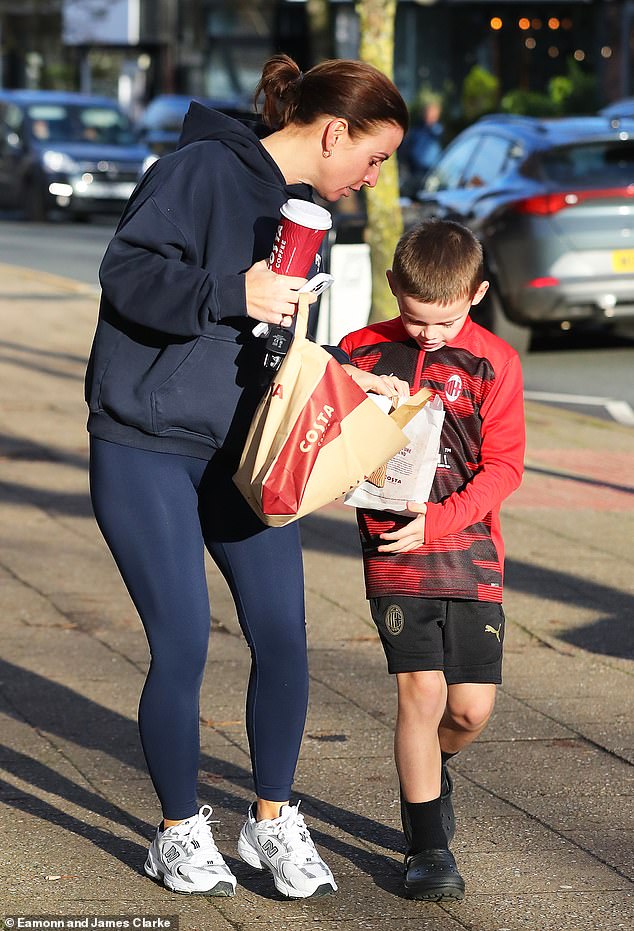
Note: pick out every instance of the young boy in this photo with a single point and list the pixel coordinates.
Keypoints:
(434, 581)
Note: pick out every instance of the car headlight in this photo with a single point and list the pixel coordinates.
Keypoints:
(59, 161)
(147, 162)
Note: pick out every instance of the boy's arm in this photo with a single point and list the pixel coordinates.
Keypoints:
(501, 460)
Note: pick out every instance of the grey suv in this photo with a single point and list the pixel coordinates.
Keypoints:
(552, 202)
(66, 153)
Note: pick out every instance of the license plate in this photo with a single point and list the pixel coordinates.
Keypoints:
(623, 261)
(119, 190)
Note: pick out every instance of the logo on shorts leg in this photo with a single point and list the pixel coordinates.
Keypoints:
(394, 619)
(491, 630)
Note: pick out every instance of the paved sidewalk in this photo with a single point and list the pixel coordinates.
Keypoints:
(543, 800)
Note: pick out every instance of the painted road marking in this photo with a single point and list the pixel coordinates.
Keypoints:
(620, 411)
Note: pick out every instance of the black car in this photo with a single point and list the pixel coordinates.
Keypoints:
(67, 153)
(552, 201)
(160, 125)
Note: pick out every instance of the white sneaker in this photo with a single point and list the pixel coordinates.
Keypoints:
(284, 846)
(186, 858)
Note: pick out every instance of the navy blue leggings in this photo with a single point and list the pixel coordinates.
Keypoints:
(157, 512)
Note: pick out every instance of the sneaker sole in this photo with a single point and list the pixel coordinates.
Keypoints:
(455, 893)
(320, 892)
(222, 888)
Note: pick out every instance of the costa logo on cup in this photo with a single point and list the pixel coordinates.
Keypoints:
(298, 238)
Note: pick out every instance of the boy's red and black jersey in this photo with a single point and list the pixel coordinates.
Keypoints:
(479, 380)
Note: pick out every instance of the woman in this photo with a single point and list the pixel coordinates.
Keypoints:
(174, 377)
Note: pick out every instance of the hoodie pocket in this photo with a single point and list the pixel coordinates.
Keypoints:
(200, 395)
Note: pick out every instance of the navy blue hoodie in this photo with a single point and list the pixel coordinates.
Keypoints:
(174, 366)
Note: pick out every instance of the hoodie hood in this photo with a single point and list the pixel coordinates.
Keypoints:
(202, 123)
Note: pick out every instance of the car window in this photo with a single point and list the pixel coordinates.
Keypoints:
(50, 123)
(603, 163)
(488, 162)
(448, 171)
(103, 124)
(165, 114)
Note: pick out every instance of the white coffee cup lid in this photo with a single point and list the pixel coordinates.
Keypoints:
(307, 214)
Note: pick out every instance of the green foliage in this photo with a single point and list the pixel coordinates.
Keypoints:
(480, 93)
(577, 92)
(528, 103)
(573, 93)
(57, 75)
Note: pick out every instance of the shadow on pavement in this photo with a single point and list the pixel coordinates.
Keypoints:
(56, 709)
(28, 769)
(20, 448)
(44, 353)
(72, 504)
(610, 636)
(581, 479)
(126, 851)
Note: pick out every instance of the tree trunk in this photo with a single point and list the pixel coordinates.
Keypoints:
(385, 222)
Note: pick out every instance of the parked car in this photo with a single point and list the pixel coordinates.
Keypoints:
(619, 109)
(160, 124)
(552, 202)
(66, 152)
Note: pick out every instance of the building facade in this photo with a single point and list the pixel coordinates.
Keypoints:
(135, 49)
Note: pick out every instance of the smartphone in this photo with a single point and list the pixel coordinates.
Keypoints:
(315, 285)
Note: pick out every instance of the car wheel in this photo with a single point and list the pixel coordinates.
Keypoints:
(34, 200)
(492, 316)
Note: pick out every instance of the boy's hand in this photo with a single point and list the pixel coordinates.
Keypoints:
(389, 385)
(409, 537)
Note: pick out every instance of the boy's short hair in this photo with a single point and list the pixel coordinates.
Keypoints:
(438, 262)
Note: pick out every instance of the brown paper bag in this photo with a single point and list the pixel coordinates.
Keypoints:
(408, 475)
(314, 436)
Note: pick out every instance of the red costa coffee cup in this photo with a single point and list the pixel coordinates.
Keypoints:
(299, 235)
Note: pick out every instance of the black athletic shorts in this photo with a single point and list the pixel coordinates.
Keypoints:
(462, 638)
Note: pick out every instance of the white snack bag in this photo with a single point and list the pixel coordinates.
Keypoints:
(410, 473)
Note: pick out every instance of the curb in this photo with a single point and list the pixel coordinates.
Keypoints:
(58, 282)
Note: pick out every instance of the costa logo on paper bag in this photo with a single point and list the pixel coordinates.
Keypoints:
(317, 432)
(320, 423)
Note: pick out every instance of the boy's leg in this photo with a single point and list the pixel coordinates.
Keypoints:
(473, 641)
(430, 869)
(422, 698)
(411, 633)
(469, 707)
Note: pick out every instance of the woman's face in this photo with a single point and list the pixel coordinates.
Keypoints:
(357, 162)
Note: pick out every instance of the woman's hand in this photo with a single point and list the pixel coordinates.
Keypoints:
(272, 298)
(389, 385)
(409, 537)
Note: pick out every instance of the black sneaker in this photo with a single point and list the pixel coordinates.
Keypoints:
(433, 875)
(447, 816)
